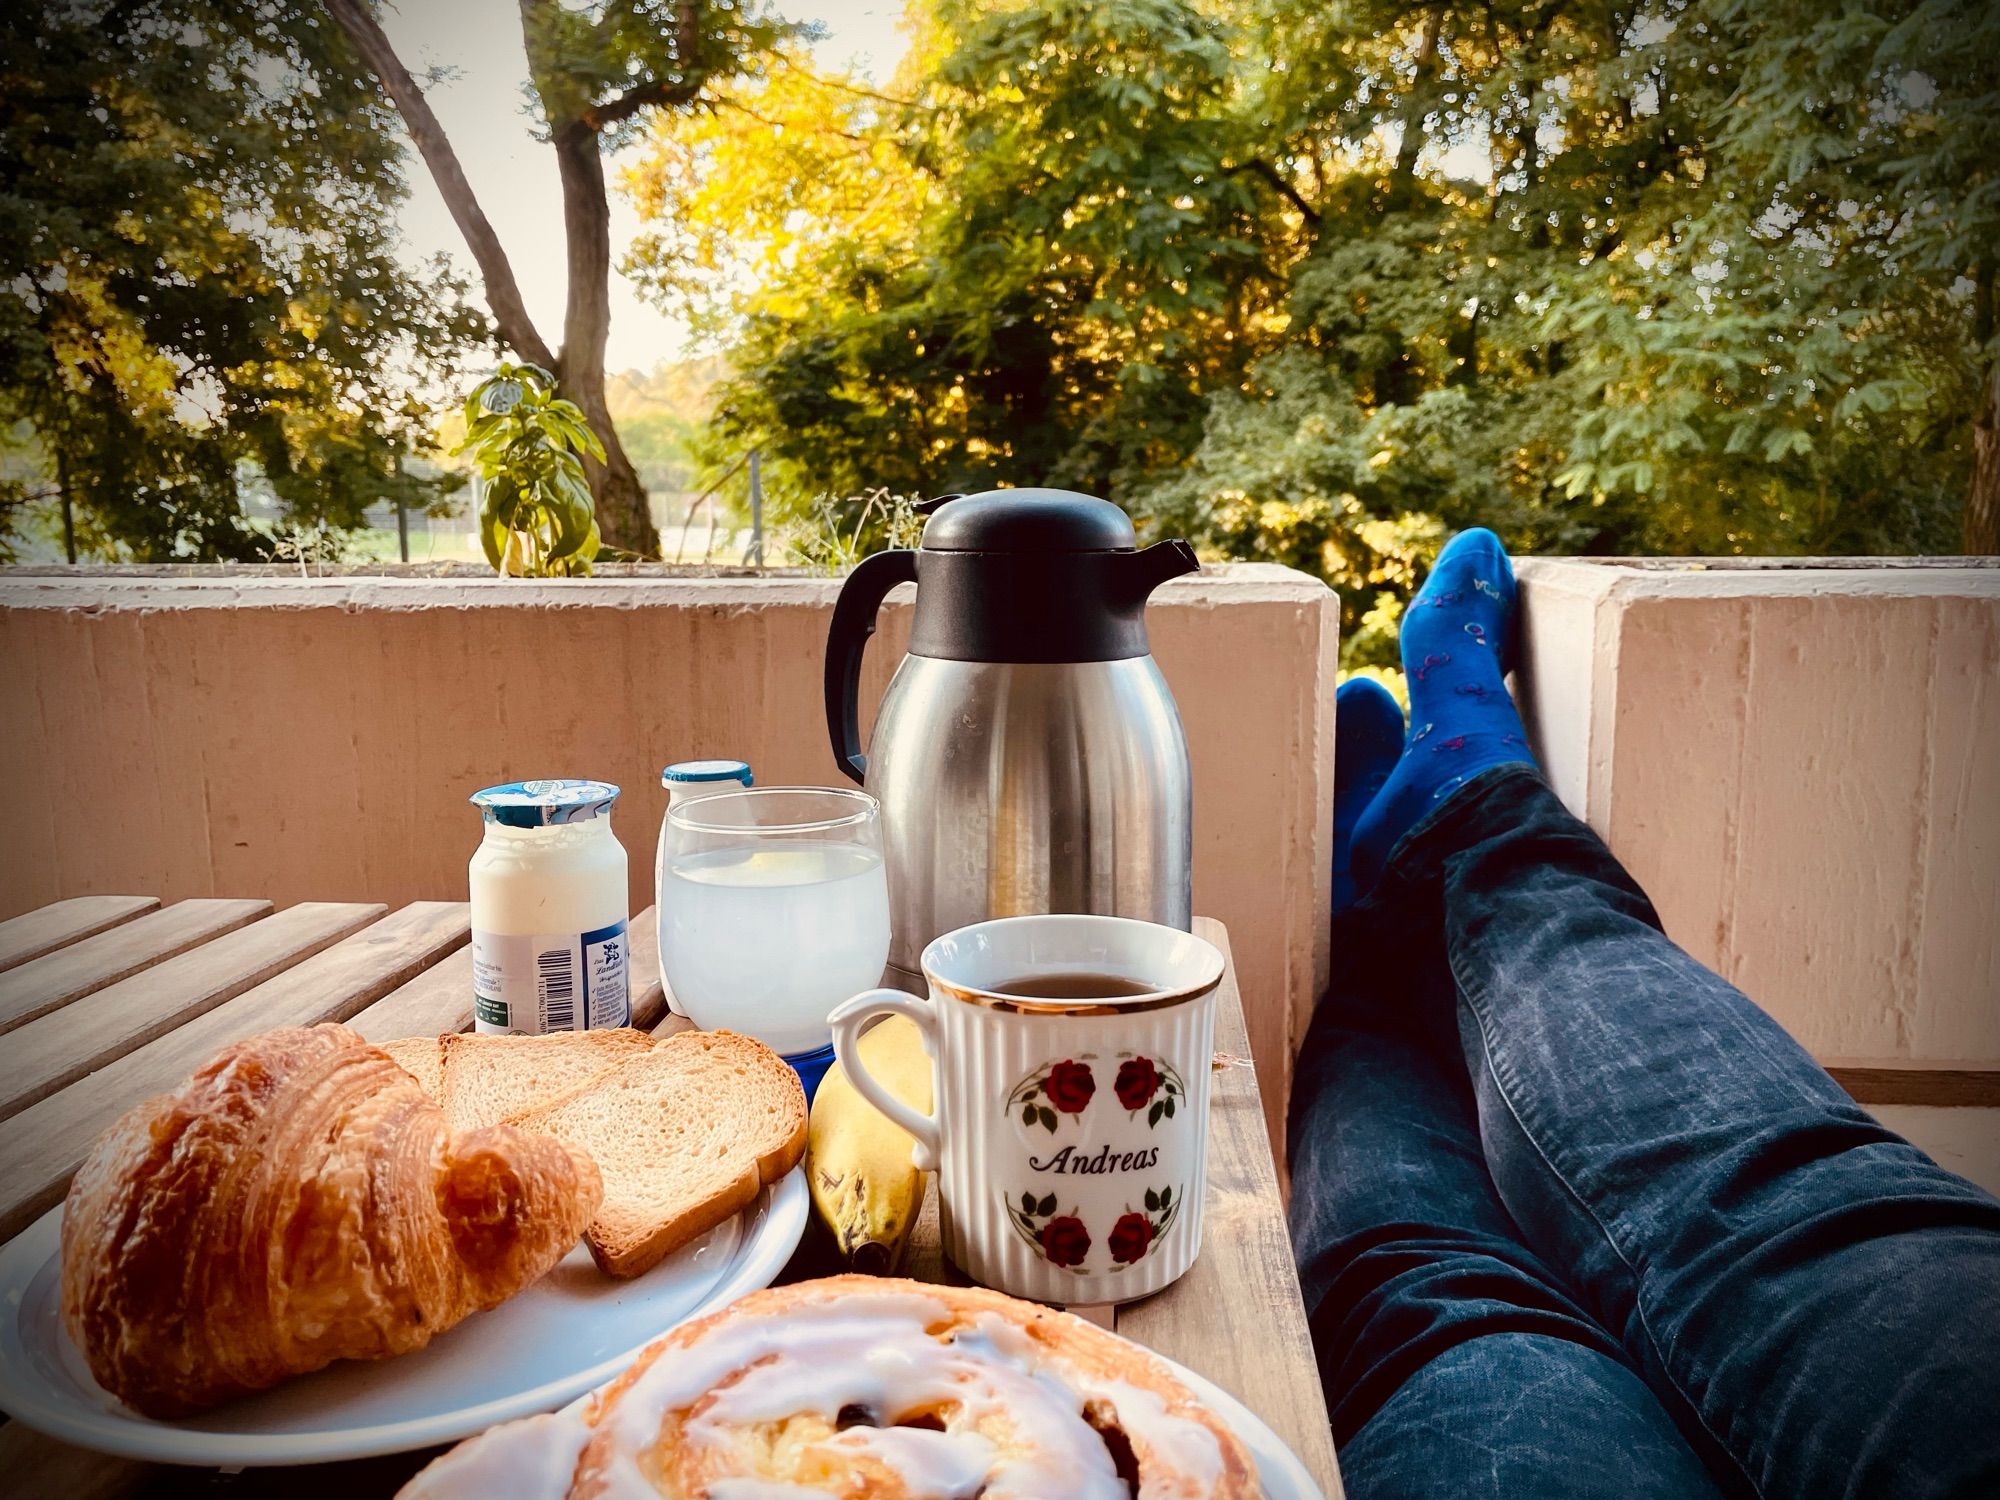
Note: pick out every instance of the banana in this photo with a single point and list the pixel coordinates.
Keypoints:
(864, 1186)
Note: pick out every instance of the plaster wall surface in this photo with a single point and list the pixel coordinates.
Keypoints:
(1801, 765)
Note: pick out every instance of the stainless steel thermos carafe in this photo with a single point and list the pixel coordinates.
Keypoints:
(1028, 755)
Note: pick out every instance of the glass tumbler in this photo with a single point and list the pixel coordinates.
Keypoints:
(774, 908)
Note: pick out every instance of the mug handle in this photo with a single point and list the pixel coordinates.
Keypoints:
(848, 1021)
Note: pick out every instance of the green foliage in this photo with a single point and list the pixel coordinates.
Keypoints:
(535, 520)
(1322, 283)
(836, 534)
(199, 289)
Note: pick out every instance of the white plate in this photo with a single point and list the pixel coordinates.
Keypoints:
(1282, 1475)
(570, 1331)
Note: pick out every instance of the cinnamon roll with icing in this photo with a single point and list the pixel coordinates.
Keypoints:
(857, 1388)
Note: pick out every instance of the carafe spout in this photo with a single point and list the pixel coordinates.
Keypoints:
(1147, 570)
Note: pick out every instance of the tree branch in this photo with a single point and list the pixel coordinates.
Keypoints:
(848, 86)
(1281, 184)
(503, 294)
(657, 91)
(641, 96)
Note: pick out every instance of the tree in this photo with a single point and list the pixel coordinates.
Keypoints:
(198, 285)
(595, 72)
(1032, 254)
(1323, 283)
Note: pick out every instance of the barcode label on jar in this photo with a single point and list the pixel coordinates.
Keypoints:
(527, 985)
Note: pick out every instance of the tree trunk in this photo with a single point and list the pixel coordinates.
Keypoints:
(623, 517)
(503, 295)
(1982, 498)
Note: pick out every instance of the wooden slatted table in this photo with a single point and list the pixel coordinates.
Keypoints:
(105, 1000)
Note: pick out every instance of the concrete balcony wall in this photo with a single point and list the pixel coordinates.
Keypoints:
(1801, 765)
(316, 739)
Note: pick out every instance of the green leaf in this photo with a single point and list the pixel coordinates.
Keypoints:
(1785, 442)
(1152, 1201)
(1027, 1203)
(1048, 1117)
(1046, 1207)
(492, 538)
(498, 397)
(1028, 1115)
(1169, 1107)
(573, 525)
(1153, 1114)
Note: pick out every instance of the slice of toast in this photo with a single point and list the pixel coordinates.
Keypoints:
(489, 1079)
(422, 1057)
(684, 1136)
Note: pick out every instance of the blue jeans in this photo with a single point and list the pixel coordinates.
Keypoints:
(1576, 1219)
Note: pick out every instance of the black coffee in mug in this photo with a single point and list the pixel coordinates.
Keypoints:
(1080, 986)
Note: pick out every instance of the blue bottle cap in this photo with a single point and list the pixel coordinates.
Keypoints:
(811, 1067)
(695, 772)
(534, 804)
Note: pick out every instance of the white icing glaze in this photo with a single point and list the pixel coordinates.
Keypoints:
(1014, 1416)
(532, 1459)
(930, 1463)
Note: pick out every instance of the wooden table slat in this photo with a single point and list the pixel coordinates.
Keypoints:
(440, 999)
(1237, 1316)
(61, 923)
(57, 1049)
(55, 979)
(42, 1146)
(36, 1465)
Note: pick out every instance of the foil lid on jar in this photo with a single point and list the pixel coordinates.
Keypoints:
(534, 804)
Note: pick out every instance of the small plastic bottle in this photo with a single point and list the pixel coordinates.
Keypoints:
(689, 781)
(550, 905)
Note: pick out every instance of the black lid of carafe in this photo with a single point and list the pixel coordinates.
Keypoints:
(1036, 576)
(1042, 521)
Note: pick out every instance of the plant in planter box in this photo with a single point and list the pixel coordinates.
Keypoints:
(535, 520)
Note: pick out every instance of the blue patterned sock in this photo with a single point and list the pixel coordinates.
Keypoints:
(1457, 642)
(1367, 738)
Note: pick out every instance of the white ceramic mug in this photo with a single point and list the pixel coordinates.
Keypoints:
(1070, 1137)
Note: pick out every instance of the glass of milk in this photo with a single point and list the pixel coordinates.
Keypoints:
(774, 908)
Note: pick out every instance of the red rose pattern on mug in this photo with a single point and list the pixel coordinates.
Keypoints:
(1140, 1079)
(1067, 1087)
(1056, 1097)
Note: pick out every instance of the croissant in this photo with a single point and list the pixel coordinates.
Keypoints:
(299, 1201)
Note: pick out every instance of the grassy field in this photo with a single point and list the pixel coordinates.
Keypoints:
(377, 545)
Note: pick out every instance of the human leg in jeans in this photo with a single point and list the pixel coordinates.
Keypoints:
(1817, 1301)
(1820, 1297)
(1456, 1363)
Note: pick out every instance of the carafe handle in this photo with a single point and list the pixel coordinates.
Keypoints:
(853, 622)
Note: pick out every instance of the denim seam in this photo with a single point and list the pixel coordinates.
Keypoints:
(1508, 1085)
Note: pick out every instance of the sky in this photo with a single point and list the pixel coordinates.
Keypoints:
(483, 110)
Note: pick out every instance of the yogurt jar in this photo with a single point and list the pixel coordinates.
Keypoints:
(549, 910)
